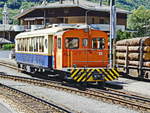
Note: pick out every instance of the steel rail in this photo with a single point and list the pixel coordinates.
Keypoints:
(31, 103)
(126, 100)
(132, 101)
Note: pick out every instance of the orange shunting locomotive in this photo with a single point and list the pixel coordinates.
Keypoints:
(82, 52)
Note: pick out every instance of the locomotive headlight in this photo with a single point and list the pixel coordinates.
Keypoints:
(97, 76)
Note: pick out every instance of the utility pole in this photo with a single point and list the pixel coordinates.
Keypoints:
(112, 32)
(5, 15)
(5, 20)
(101, 2)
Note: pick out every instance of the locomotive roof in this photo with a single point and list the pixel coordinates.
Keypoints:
(41, 32)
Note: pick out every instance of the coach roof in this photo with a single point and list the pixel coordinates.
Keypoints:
(41, 32)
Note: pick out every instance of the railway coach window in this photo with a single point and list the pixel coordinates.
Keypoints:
(41, 44)
(46, 43)
(59, 43)
(36, 45)
(18, 45)
(98, 43)
(72, 43)
(25, 44)
(22, 47)
(30, 45)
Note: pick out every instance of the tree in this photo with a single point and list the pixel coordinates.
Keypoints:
(139, 21)
(124, 35)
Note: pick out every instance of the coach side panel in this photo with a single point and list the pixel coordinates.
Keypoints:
(35, 51)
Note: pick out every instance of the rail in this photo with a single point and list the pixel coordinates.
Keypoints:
(29, 102)
(131, 101)
(123, 98)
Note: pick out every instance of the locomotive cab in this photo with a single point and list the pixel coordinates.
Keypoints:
(81, 49)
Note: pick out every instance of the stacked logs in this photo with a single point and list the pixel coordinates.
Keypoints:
(129, 51)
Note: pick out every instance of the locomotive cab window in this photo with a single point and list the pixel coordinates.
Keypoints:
(72, 43)
(85, 42)
(98, 43)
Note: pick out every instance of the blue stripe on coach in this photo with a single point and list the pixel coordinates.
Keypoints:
(40, 60)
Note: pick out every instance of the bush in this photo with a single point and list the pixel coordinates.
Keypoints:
(8, 46)
(124, 35)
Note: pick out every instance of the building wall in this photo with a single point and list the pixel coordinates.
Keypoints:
(72, 15)
(74, 20)
(9, 35)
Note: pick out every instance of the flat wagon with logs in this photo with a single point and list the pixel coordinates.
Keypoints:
(133, 55)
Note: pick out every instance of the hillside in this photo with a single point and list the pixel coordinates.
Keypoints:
(128, 4)
(16, 5)
(133, 4)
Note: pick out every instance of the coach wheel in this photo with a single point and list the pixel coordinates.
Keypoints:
(147, 75)
(32, 69)
(18, 65)
(81, 86)
(24, 67)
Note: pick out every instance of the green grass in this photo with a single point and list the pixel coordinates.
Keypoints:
(8, 46)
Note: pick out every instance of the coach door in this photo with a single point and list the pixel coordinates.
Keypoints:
(58, 52)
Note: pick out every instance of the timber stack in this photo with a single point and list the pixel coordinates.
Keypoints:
(133, 52)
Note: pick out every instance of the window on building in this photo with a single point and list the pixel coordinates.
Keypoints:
(104, 21)
(66, 20)
(72, 43)
(101, 21)
(98, 43)
(93, 21)
(60, 20)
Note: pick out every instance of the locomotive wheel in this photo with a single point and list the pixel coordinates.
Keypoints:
(101, 85)
(81, 86)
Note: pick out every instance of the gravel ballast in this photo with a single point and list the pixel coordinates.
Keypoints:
(70, 101)
(75, 102)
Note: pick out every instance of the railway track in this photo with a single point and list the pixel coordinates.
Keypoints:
(126, 99)
(9, 65)
(29, 103)
(123, 98)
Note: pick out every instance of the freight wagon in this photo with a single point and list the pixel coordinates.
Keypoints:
(133, 56)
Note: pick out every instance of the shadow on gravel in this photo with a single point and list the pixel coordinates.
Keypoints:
(81, 86)
(50, 76)
(2, 73)
(136, 78)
